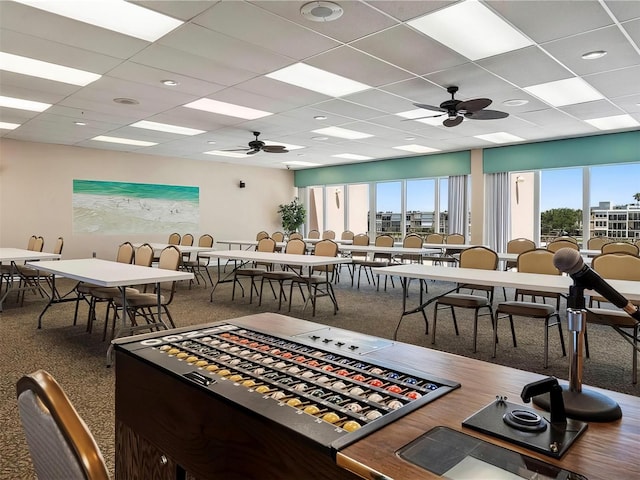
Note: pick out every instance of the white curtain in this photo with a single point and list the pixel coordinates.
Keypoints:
(498, 210)
(458, 205)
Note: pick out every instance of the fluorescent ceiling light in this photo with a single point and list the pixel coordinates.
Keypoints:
(417, 148)
(229, 109)
(352, 156)
(342, 133)
(288, 146)
(49, 71)
(123, 141)
(301, 164)
(435, 120)
(616, 121)
(565, 92)
(499, 137)
(164, 127)
(9, 126)
(471, 29)
(222, 153)
(321, 81)
(117, 15)
(21, 104)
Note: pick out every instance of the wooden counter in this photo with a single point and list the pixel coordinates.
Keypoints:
(604, 451)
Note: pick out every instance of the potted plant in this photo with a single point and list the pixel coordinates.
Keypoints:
(293, 215)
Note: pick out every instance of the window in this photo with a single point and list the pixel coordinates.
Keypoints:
(420, 217)
(388, 209)
(560, 203)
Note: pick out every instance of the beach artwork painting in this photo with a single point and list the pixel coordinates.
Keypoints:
(109, 208)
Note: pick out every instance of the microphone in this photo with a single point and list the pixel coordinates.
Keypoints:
(570, 261)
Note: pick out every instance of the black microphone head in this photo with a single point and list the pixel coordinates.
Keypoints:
(568, 260)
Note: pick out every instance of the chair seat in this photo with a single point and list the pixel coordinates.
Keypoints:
(250, 272)
(528, 309)
(279, 275)
(310, 279)
(106, 293)
(464, 300)
(140, 300)
(85, 288)
(606, 316)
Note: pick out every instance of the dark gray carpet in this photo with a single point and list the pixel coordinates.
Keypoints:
(77, 359)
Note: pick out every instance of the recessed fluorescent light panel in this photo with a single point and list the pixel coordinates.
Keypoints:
(416, 148)
(500, 137)
(301, 164)
(321, 81)
(342, 133)
(21, 104)
(164, 127)
(116, 15)
(8, 126)
(123, 141)
(352, 156)
(471, 29)
(46, 70)
(565, 92)
(611, 123)
(420, 112)
(229, 109)
(221, 153)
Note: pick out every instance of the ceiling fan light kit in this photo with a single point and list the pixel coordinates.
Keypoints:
(458, 110)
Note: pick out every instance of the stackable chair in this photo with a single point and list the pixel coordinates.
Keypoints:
(328, 235)
(347, 235)
(60, 443)
(174, 239)
(450, 255)
(539, 261)
(278, 237)
(319, 285)
(32, 277)
(473, 257)
(314, 234)
(616, 266)
(295, 236)
(562, 243)
(254, 273)
(434, 238)
(261, 234)
(379, 260)
(518, 245)
(200, 265)
(295, 246)
(620, 247)
(596, 243)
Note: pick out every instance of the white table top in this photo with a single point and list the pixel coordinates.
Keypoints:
(106, 273)
(392, 250)
(158, 247)
(23, 255)
(499, 278)
(247, 243)
(281, 258)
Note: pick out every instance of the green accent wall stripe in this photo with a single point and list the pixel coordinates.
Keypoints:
(573, 152)
(424, 166)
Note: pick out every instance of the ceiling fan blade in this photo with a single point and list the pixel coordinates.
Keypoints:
(474, 104)
(273, 148)
(486, 115)
(420, 118)
(452, 122)
(236, 150)
(430, 107)
(252, 152)
(280, 150)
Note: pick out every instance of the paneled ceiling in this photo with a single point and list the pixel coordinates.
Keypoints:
(224, 51)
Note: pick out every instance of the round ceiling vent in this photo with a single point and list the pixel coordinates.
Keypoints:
(321, 11)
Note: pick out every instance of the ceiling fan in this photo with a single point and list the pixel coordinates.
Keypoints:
(256, 146)
(457, 110)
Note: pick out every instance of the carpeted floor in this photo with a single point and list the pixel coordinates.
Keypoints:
(77, 358)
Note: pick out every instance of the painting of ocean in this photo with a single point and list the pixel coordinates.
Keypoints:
(108, 208)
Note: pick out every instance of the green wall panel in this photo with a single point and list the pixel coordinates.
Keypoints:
(574, 152)
(424, 166)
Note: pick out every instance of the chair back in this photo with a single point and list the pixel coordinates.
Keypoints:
(617, 266)
(620, 247)
(295, 236)
(328, 235)
(637, 244)
(261, 235)
(278, 236)
(143, 255)
(266, 245)
(60, 443)
(434, 238)
(187, 240)
(362, 239)
(562, 243)
(325, 248)
(205, 241)
(482, 258)
(413, 240)
(38, 244)
(31, 242)
(59, 244)
(174, 239)
(383, 240)
(455, 239)
(568, 238)
(520, 245)
(170, 258)
(125, 253)
(314, 234)
(296, 246)
(596, 243)
(539, 260)
(347, 235)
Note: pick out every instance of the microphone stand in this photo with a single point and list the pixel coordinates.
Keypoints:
(580, 404)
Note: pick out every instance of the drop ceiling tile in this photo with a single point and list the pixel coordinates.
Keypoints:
(417, 90)
(409, 9)
(181, 10)
(624, 10)
(526, 67)
(589, 110)
(617, 83)
(629, 103)
(633, 30)
(32, 88)
(380, 100)
(472, 81)
(290, 94)
(348, 109)
(410, 50)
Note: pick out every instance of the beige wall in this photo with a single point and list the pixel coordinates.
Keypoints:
(36, 182)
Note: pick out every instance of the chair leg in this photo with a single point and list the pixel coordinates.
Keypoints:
(435, 322)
